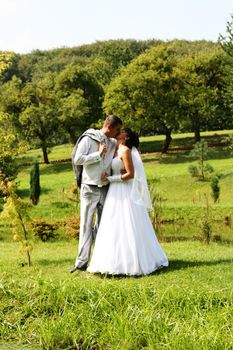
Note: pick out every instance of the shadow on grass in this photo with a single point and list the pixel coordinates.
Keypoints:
(62, 205)
(174, 265)
(55, 168)
(175, 157)
(177, 264)
(182, 143)
(49, 262)
(25, 192)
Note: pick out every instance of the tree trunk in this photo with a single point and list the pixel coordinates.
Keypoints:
(196, 128)
(45, 153)
(167, 141)
(73, 137)
(197, 135)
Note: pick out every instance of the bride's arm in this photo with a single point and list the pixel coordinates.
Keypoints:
(126, 158)
(128, 164)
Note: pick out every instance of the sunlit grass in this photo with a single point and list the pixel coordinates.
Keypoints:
(186, 306)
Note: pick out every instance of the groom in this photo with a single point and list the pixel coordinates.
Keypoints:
(92, 156)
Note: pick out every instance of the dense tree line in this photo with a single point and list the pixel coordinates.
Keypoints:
(50, 97)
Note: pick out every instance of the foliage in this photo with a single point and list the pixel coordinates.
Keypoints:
(16, 211)
(200, 152)
(206, 221)
(74, 114)
(146, 93)
(156, 87)
(35, 183)
(173, 86)
(226, 41)
(215, 188)
(39, 119)
(202, 74)
(156, 215)
(72, 226)
(8, 62)
(11, 102)
(10, 147)
(43, 230)
(228, 140)
(80, 100)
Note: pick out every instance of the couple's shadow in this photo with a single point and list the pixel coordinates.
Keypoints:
(174, 265)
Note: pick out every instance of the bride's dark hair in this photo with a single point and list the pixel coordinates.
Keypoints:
(132, 140)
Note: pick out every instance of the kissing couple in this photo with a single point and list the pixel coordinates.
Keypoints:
(111, 175)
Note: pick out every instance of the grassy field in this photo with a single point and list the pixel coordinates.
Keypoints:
(189, 305)
(183, 199)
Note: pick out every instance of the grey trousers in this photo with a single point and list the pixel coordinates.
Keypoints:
(92, 202)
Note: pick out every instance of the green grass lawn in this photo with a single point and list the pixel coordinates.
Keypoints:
(147, 144)
(188, 305)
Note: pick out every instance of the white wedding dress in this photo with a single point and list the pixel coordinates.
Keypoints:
(126, 242)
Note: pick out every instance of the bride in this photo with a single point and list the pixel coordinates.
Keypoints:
(126, 242)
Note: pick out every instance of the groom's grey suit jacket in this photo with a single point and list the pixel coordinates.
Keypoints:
(87, 163)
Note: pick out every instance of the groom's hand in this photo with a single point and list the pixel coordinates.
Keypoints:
(102, 149)
(104, 177)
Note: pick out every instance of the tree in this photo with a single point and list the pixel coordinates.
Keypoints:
(8, 65)
(215, 188)
(16, 210)
(80, 100)
(10, 147)
(227, 40)
(226, 43)
(39, 118)
(11, 102)
(200, 152)
(202, 93)
(35, 183)
(146, 93)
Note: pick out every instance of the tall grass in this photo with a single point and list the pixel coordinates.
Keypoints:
(186, 306)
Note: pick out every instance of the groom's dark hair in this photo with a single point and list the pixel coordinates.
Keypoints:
(113, 120)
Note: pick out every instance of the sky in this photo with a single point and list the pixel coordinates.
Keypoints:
(26, 25)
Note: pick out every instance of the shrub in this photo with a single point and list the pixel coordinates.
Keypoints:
(72, 226)
(35, 183)
(8, 166)
(44, 230)
(215, 188)
(193, 170)
(206, 221)
(200, 153)
(15, 210)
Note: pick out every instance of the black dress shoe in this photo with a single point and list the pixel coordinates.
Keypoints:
(76, 268)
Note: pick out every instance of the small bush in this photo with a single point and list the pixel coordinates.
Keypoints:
(215, 188)
(44, 230)
(35, 183)
(206, 229)
(203, 169)
(72, 226)
(193, 170)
